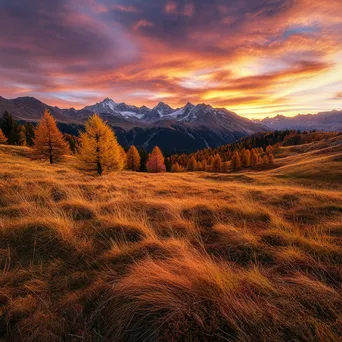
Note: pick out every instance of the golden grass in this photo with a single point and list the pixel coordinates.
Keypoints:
(254, 256)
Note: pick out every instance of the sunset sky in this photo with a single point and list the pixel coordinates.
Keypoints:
(255, 57)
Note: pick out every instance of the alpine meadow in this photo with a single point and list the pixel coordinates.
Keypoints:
(170, 170)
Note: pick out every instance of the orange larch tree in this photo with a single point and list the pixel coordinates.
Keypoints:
(236, 161)
(254, 158)
(133, 159)
(100, 150)
(217, 163)
(155, 162)
(246, 159)
(191, 166)
(48, 142)
(3, 139)
(225, 167)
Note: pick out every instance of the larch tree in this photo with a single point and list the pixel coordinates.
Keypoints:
(225, 167)
(199, 166)
(133, 159)
(217, 163)
(155, 162)
(246, 159)
(3, 139)
(254, 158)
(48, 142)
(191, 166)
(236, 161)
(99, 149)
(176, 168)
(123, 157)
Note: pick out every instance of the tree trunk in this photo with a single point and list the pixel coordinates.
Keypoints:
(50, 152)
(98, 163)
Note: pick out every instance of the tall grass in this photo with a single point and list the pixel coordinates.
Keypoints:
(171, 257)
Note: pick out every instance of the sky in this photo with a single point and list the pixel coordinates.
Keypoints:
(255, 57)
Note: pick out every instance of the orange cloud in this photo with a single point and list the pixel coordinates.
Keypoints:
(253, 57)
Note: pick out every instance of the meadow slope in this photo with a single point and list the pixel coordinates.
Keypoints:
(246, 256)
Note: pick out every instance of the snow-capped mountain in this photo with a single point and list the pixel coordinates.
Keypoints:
(200, 115)
(184, 129)
(106, 106)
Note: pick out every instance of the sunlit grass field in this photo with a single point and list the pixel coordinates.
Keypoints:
(246, 256)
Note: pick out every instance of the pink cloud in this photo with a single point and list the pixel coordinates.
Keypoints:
(125, 9)
(141, 24)
(171, 8)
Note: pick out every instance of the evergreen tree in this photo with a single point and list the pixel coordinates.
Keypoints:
(21, 136)
(73, 142)
(3, 139)
(155, 162)
(133, 159)
(29, 132)
(9, 127)
(143, 155)
(99, 150)
(236, 161)
(49, 143)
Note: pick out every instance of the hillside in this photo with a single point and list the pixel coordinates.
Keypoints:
(245, 256)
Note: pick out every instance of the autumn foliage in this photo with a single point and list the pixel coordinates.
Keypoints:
(100, 151)
(3, 139)
(155, 162)
(133, 159)
(49, 143)
(236, 161)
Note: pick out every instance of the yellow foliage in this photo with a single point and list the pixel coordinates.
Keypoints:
(3, 139)
(133, 159)
(49, 143)
(100, 150)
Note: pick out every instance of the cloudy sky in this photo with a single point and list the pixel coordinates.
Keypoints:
(256, 57)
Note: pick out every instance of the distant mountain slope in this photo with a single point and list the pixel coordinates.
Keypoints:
(185, 129)
(327, 121)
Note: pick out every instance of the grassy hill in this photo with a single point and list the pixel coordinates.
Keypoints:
(247, 256)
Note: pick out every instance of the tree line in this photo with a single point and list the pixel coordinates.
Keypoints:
(232, 160)
(97, 149)
(14, 133)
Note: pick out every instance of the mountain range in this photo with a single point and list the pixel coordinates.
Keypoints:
(325, 121)
(184, 129)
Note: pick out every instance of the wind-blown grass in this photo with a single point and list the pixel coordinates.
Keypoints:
(177, 257)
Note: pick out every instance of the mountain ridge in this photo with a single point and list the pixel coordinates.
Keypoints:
(175, 130)
(327, 121)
